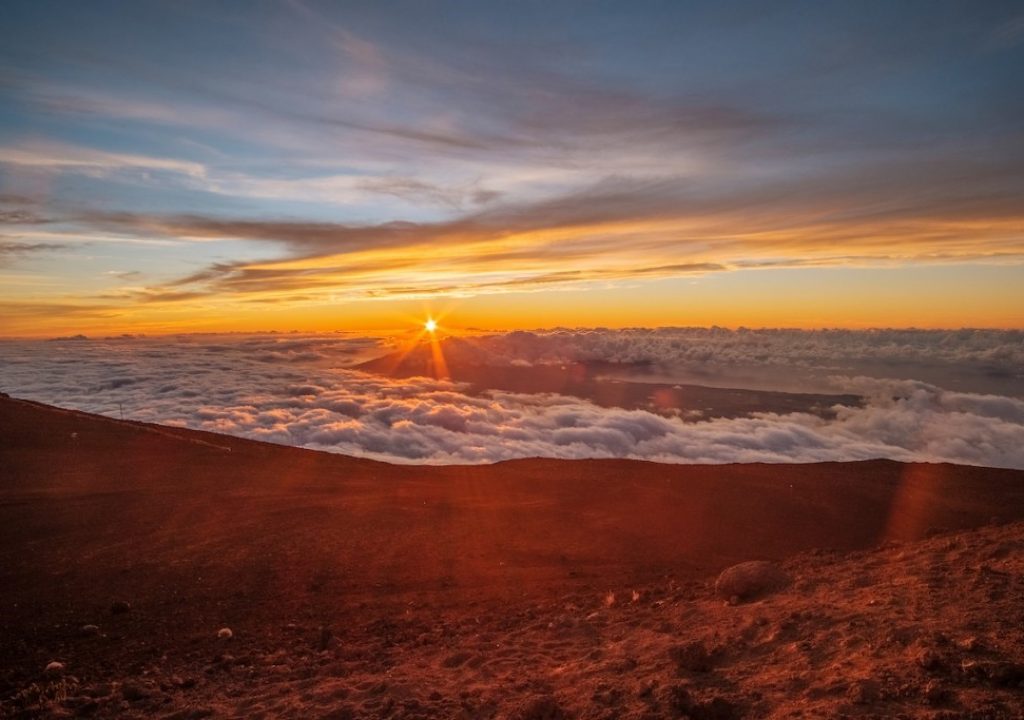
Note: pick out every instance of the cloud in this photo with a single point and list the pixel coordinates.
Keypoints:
(12, 249)
(295, 390)
(617, 229)
(60, 156)
(1001, 349)
(983, 361)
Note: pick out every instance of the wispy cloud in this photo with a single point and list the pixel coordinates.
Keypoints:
(592, 236)
(57, 156)
(12, 249)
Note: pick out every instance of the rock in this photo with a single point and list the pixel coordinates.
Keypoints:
(54, 668)
(90, 630)
(120, 607)
(750, 580)
(691, 657)
(225, 633)
(864, 692)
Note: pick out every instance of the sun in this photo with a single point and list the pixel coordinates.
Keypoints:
(430, 325)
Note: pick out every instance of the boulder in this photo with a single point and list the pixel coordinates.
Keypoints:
(750, 580)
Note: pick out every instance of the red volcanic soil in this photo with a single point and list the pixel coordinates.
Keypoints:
(528, 589)
(602, 383)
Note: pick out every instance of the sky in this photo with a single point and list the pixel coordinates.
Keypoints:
(243, 166)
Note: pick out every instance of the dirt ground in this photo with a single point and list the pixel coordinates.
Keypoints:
(529, 589)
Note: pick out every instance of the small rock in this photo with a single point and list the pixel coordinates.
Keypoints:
(864, 692)
(691, 657)
(120, 607)
(750, 580)
(90, 630)
(225, 633)
(55, 668)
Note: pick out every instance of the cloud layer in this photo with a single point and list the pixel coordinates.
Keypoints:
(296, 390)
(984, 361)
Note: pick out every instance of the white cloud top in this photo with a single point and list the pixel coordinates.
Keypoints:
(296, 390)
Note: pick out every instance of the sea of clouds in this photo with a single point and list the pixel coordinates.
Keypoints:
(301, 390)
